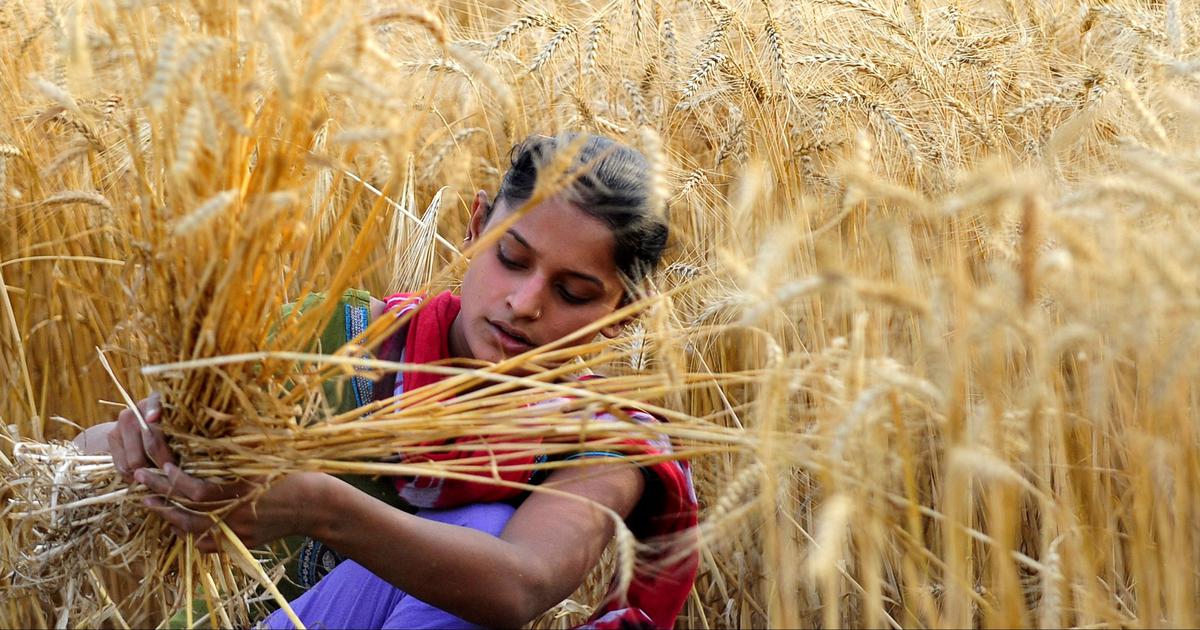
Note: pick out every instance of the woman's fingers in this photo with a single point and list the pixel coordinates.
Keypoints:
(175, 483)
(183, 521)
(154, 444)
(151, 407)
(154, 481)
(131, 439)
(141, 444)
(116, 448)
(186, 521)
(207, 544)
(198, 489)
(179, 485)
(188, 504)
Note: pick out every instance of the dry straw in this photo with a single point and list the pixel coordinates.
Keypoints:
(923, 328)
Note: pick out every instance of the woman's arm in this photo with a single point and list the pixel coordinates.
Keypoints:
(94, 439)
(543, 554)
(377, 306)
(541, 557)
(132, 443)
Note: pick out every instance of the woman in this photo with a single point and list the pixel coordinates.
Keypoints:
(471, 558)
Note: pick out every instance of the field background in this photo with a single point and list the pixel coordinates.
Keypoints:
(957, 244)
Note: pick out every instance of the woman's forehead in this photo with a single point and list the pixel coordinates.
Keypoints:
(560, 230)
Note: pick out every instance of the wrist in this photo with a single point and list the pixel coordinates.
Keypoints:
(317, 496)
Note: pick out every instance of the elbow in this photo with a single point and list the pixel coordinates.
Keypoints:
(524, 599)
(515, 611)
(510, 619)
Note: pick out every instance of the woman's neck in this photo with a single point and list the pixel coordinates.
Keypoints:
(458, 341)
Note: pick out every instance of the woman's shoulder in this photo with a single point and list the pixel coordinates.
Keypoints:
(378, 307)
(395, 301)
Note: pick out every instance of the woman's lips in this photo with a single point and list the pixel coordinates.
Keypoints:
(511, 341)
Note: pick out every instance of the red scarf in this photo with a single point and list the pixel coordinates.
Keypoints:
(666, 512)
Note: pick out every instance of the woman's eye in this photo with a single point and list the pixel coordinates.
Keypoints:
(571, 298)
(506, 261)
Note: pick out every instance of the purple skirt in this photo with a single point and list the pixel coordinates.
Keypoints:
(353, 597)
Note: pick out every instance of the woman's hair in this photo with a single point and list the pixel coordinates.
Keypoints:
(607, 180)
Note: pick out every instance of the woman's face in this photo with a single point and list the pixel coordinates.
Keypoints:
(551, 273)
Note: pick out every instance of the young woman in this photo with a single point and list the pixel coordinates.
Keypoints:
(476, 554)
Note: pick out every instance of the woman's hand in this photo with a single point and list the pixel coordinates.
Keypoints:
(131, 446)
(255, 514)
(134, 445)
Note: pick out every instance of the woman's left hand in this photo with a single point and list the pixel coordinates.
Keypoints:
(190, 504)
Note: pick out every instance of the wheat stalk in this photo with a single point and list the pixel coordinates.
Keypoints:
(547, 51)
(704, 70)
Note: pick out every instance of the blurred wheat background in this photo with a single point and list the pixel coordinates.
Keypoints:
(951, 250)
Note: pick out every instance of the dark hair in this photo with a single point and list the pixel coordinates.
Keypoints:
(611, 182)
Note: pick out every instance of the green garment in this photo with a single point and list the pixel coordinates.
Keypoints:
(333, 337)
(344, 395)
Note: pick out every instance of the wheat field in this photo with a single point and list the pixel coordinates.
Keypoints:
(927, 324)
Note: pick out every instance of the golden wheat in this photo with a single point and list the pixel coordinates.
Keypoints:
(924, 329)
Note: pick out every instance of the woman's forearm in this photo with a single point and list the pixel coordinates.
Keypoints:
(468, 573)
(94, 439)
(544, 551)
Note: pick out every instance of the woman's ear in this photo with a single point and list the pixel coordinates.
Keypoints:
(644, 292)
(480, 209)
(614, 329)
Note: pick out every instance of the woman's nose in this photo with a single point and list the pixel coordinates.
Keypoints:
(525, 300)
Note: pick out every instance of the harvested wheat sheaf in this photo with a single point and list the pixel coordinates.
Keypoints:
(925, 328)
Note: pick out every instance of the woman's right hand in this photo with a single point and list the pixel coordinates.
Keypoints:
(131, 446)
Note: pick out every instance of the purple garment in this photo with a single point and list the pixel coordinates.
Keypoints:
(353, 597)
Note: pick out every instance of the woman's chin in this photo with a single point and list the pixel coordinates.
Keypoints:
(524, 368)
(493, 353)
